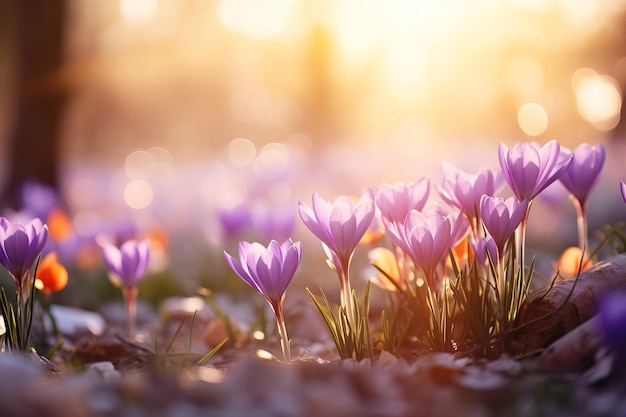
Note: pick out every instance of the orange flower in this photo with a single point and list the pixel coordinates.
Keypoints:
(59, 225)
(570, 262)
(51, 275)
(384, 260)
(372, 235)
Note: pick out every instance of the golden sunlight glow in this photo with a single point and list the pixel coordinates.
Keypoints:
(138, 11)
(264, 354)
(209, 374)
(586, 15)
(138, 194)
(407, 72)
(375, 110)
(261, 20)
(526, 77)
(536, 6)
(598, 98)
(532, 119)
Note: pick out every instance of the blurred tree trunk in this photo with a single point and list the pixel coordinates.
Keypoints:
(40, 96)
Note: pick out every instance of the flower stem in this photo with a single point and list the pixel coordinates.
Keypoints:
(346, 295)
(285, 343)
(130, 301)
(583, 240)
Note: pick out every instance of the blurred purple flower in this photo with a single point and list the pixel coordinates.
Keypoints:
(38, 199)
(273, 222)
(584, 171)
(128, 263)
(530, 168)
(426, 238)
(462, 190)
(395, 201)
(501, 218)
(20, 245)
(485, 248)
(339, 225)
(622, 187)
(612, 318)
(234, 220)
(267, 270)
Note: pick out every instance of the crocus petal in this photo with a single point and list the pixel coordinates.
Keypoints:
(268, 270)
(112, 256)
(463, 191)
(395, 201)
(529, 168)
(426, 239)
(501, 217)
(20, 245)
(129, 262)
(584, 171)
(340, 226)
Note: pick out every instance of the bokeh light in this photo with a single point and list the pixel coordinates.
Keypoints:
(532, 119)
(138, 194)
(273, 159)
(598, 98)
(241, 151)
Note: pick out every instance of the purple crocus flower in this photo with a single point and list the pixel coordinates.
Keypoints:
(622, 187)
(427, 239)
(128, 263)
(584, 171)
(340, 225)
(267, 270)
(273, 220)
(612, 320)
(38, 199)
(485, 248)
(395, 201)
(530, 168)
(501, 218)
(234, 220)
(20, 245)
(462, 190)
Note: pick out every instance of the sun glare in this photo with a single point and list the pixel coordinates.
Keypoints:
(138, 194)
(261, 20)
(360, 71)
(138, 11)
(598, 99)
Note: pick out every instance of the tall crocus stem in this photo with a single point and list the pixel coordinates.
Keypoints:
(130, 301)
(502, 293)
(346, 294)
(581, 211)
(521, 241)
(285, 343)
(22, 320)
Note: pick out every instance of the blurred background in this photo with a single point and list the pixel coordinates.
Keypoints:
(178, 113)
